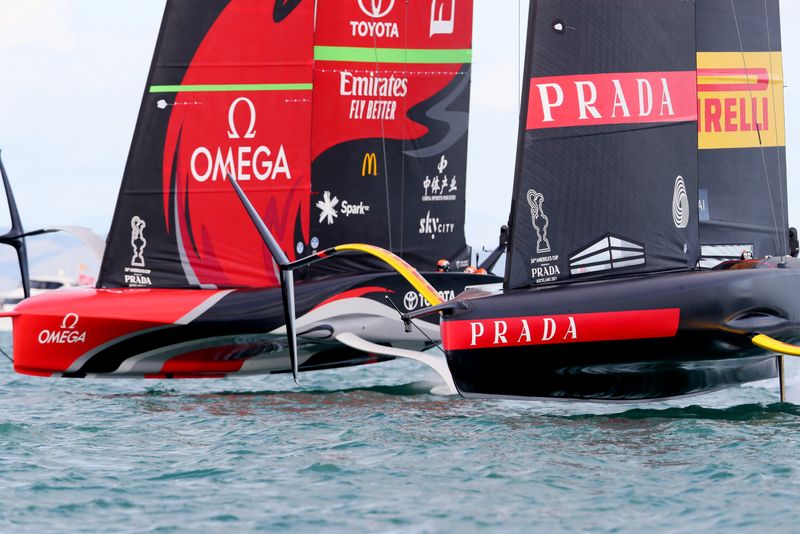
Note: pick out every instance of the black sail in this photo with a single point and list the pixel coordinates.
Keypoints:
(606, 179)
(742, 160)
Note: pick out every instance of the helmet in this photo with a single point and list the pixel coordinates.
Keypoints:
(470, 269)
(481, 271)
(443, 266)
(746, 255)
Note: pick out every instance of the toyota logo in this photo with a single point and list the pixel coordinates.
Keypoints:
(376, 11)
(411, 300)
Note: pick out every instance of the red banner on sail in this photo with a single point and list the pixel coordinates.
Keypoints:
(620, 98)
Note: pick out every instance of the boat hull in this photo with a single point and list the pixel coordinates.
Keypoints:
(204, 333)
(649, 337)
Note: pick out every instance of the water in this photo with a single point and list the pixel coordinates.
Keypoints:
(351, 450)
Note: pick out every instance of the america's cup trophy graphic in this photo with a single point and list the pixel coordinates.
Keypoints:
(138, 242)
(536, 201)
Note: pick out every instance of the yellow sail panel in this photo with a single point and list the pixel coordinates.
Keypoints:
(740, 100)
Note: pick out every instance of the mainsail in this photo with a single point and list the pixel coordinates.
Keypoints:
(742, 195)
(375, 93)
(606, 180)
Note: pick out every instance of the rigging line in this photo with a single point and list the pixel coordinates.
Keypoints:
(519, 54)
(778, 239)
(403, 148)
(784, 215)
(4, 353)
(383, 145)
(421, 331)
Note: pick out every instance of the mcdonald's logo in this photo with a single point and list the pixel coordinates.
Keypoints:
(369, 165)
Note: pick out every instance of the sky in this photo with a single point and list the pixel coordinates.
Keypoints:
(72, 73)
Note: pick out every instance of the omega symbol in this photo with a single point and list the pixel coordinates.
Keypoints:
(233, 133)
(70, 321)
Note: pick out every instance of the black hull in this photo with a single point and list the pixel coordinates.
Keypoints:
(707, 348)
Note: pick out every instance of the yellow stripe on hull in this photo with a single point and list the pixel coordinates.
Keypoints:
(399, 265)
(773, 345)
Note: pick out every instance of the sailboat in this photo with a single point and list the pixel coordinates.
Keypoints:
(649, 253)
(335, 120)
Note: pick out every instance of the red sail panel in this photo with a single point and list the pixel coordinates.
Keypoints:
(621, 98)
(229, 93)
(390, 117)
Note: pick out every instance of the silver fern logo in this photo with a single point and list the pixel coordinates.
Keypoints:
(680, 204)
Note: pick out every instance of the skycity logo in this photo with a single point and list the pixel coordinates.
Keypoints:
(66, 334)
(377, 9)
(243, 160)
(433, 226)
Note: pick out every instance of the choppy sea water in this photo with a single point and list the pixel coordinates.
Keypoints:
(371, 449)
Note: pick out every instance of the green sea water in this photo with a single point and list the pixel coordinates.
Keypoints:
(370, 449)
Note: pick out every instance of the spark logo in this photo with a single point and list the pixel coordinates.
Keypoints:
(243, 161)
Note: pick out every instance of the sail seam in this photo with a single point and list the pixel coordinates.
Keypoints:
(216, 88)
(392, 55)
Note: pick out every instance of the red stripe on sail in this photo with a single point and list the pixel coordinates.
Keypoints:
(560, 329)
(621, 98)
(735, 80)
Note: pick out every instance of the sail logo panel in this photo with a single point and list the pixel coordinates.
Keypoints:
(391, 108)
(740, 100)
(620, 98)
